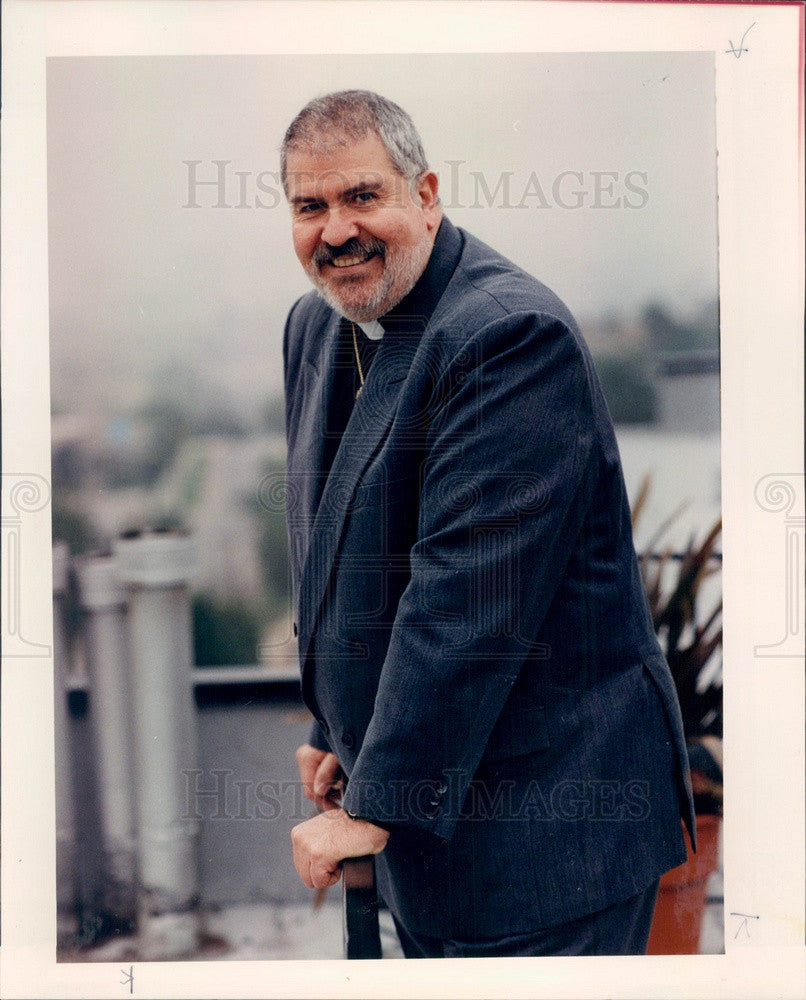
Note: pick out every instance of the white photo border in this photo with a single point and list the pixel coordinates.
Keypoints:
(761, 261)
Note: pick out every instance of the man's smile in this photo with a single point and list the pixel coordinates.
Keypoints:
(352, 254)
(352, 261)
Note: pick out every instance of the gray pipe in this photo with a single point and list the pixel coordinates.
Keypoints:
(103, 601)
(156, 570)
(66, 890)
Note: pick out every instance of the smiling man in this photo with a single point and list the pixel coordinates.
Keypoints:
(475, 643)
(361, 234)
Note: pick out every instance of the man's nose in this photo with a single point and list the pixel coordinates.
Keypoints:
(339, 227)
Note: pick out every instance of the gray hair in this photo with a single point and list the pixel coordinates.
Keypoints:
(352, 115)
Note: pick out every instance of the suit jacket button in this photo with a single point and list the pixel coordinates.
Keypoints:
(348, 739)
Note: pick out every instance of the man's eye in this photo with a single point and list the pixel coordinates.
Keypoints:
(364, 197)
(308, 207)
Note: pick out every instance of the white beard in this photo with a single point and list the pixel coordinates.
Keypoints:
(402, 271)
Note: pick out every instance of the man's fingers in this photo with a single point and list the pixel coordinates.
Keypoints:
(322, 842)
(315, 870)
(318, 770)
(301, 859)
(322, 876)
(326, 775)
(310, 761)
(322, 802)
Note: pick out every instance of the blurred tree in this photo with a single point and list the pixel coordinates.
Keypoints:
(225, 633)
(665, 333)
(273, 543)
(170, 429)
(220, 422)
(628, 388)
(73, 528)
(274, 415)
(68, 468)
(168, 520)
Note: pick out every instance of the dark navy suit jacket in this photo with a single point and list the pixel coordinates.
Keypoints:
(474, 637)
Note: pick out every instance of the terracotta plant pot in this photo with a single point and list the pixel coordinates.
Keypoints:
(677, 922)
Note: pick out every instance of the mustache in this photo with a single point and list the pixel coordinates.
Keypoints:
(326, 254)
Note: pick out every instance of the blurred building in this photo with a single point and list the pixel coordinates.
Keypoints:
(688, 392)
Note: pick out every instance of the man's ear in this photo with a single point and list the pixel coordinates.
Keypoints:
(428, 193)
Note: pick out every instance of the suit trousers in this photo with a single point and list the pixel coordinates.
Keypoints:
(621, 929)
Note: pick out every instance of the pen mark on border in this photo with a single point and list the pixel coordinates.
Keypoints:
(743, 925)
(129, 978)
(738, 52)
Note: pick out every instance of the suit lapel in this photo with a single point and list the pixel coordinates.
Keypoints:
(369, 421)
(305, 478)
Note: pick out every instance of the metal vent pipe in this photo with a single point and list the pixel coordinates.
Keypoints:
(66, 889)
(103, 603)
(156, 570)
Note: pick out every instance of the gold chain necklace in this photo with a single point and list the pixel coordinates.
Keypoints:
(358, 362)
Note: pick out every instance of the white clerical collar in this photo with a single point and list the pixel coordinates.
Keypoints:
(373, 329)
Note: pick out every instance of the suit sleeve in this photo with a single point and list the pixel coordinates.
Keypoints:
(509, 474)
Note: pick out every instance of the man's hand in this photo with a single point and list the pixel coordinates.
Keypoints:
(318, 772)
(322, 843)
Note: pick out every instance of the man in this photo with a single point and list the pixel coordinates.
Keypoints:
(474, 639)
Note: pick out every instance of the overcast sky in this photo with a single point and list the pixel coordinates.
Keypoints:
(600, 169)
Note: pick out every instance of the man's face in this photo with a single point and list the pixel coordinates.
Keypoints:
(361, 231)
